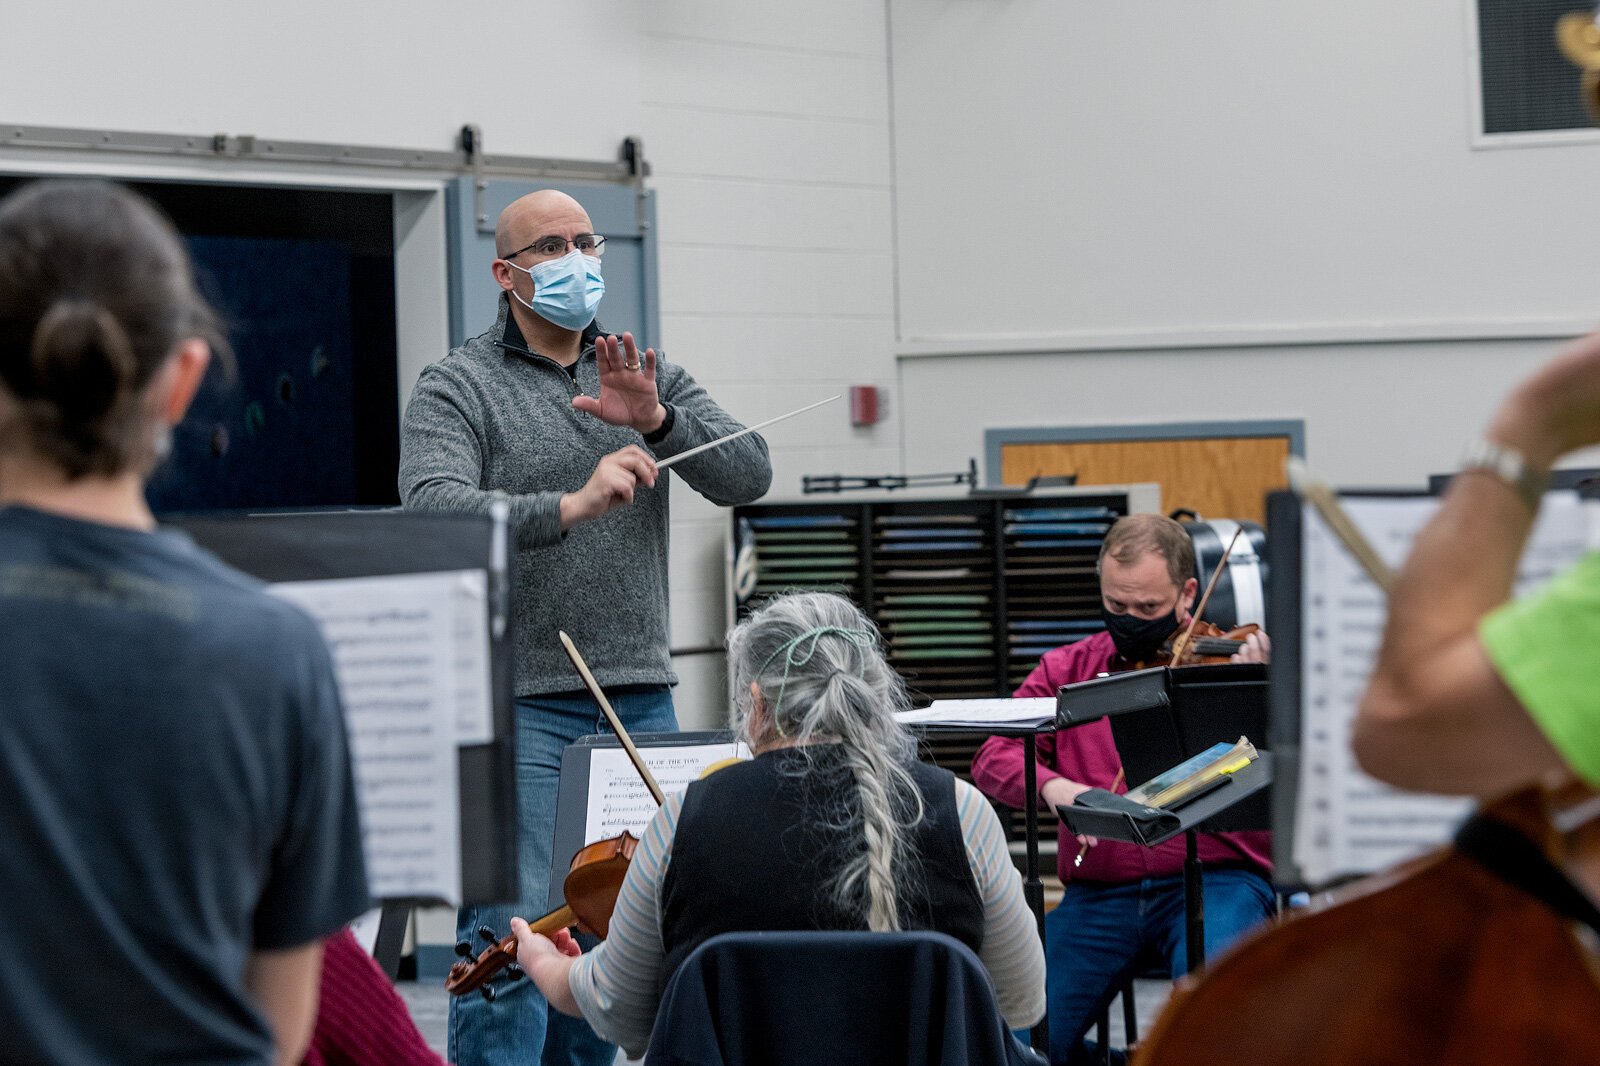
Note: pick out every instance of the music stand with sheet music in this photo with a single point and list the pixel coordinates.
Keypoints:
(311, 546)
(572, 797)
(1159, 717)
(1332, 822)
(1032, 883)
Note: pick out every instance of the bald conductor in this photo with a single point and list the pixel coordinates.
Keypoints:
(566, 424)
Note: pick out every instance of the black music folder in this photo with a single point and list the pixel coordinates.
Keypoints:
(1162, 716)
(1099, 813)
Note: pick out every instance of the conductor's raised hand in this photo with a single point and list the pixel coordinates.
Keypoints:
(615, 479)
(628, 394)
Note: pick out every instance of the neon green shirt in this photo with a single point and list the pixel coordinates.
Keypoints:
(1546, 647)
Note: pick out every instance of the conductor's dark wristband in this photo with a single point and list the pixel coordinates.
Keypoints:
(662, 430)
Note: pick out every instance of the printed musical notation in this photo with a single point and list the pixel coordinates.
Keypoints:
(619, 800)
(474, 694)
(407, 663)
(1345, 821)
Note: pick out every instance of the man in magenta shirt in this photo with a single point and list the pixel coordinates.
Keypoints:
(1124, 902)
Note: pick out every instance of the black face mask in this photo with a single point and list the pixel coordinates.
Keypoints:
(1138, 638)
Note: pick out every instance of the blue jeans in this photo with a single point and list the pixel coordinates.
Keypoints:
(1100, 932)
(519, 1026)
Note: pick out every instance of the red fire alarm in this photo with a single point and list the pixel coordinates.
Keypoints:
(863, 405)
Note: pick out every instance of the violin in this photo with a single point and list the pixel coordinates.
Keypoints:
(1207, 644)
(1470, 955)
(593, 882)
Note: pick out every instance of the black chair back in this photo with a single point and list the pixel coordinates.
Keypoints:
(842, 998)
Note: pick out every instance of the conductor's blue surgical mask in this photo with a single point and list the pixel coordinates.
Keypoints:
(566, 291)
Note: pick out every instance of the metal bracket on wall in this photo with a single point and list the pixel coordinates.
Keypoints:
(631, 161)
(630, 168)
(815, 483)
(472, 148)
(631, 157)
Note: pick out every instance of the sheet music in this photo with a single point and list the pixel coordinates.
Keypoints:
(394, 643)
(1034, 711)
(618, 798)
(1345, 821)
(474, 689)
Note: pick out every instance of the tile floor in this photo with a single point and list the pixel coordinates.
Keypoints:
(428, 1004)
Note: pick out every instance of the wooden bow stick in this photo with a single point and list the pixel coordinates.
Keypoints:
(1320, 496)
(611, 716)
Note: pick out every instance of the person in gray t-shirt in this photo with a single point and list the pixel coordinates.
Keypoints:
(177, 813)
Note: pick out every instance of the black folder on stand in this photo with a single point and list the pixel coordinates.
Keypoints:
(1162, 716)
(1099, 813)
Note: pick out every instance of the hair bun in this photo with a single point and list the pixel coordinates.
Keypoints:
(81, 358)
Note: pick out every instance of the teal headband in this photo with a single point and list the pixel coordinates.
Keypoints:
(793, 656)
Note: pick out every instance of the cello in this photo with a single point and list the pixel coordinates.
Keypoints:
(1479, 955)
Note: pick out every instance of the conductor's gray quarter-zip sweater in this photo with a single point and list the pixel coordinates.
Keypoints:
(493, 416)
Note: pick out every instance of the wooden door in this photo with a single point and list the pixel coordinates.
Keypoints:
(1218, 477)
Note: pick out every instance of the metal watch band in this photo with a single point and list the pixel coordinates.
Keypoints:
(1510, 466)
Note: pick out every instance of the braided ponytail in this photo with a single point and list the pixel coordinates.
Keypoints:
(816, 660)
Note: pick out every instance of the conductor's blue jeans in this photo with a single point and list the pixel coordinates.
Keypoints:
(519, 1026)
(1101, 933)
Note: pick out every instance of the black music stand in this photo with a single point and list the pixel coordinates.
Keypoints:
(330, 544)
(1160, 717)
(1032, 884)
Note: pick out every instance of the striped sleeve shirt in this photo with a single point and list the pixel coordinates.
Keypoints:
(616, 985)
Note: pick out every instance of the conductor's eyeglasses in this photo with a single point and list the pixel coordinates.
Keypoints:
(587, 243)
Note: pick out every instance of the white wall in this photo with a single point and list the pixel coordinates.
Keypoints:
(1377, 415)
(406, 74)
(1207, 198)
(1213, 171)
(1175, 170)
(767, 126)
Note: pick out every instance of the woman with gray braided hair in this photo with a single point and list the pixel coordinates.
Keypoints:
(833, 825)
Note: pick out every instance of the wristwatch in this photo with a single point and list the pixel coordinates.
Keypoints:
(1510, 466)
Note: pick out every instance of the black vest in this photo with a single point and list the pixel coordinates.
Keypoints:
(751, 854)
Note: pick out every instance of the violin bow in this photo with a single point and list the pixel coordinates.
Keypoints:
(611, 716)
(1312, 489)
(1181, 645)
